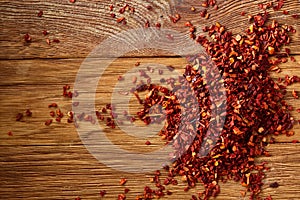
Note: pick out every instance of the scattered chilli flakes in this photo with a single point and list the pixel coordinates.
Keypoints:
(252, 113)
(247, 63)
(244, 67)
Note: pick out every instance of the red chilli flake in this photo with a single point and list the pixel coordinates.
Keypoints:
(147, 142)
(274, 185)
(121, 19)
(40, 13)
(175, 18)
(52, 105)
(9, 133)
(45, 32)
(72, 1)
(285, 12)
(113, 15)
(56, 40)
(58, 119)
(158, 25)
(19, 117)
(123, 181)
(149, 7)
(121, 197)
(279, 5)
(147, 24)
(28, 113)
(120, 78)
(294, 93)
(48, 41)
(102, 193)
(27, 37)
(48, 122)
(126, 190)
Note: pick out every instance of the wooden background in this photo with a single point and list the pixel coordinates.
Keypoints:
(40, 162)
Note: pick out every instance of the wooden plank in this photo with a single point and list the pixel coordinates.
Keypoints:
(36, 83)
(65, 172)
(84, 24)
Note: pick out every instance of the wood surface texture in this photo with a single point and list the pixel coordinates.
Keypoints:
(41, 162)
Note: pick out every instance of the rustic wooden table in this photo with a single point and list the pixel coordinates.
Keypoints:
(40, 162)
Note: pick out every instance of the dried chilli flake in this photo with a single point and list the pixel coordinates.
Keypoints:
(102, 193)
(27, 37)
(40, 13)
(123, 181)
(274, 185)
(45, 32)
(19, 117)
(48, 122)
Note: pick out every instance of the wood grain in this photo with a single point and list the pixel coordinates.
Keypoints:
(40, 162)
(35, 89)
(53, 159)
(83, 25)
(64, 172)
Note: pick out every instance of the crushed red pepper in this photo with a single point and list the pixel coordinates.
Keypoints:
(27, 37)
(255, 108)
(19, 117)
(252, 95)
(102, 193)
(40, 13)
(123, 181)
(48, 122)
